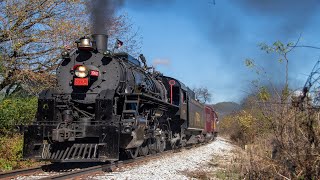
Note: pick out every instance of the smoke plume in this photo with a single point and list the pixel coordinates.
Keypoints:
(102, 13)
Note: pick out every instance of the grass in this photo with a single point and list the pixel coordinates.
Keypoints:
(227, 166)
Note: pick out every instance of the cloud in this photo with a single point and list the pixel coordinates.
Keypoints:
(160, 61)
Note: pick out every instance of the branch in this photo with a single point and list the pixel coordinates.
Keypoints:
(306, 46)
(28, 55)
(295, 45)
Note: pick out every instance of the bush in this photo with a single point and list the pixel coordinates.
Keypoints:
(244, 126)
(11, 153)
(281, 141)
(16, 111)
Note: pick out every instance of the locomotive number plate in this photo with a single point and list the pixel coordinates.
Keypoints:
(81, 81)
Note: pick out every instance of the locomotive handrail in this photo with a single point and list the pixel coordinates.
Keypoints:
(61, 94)
(148, 96)
(79, 122)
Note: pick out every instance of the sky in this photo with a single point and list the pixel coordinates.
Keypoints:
(204, 43)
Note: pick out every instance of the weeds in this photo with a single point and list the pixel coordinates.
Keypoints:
(227, 166)
(280, 141)
(11, 153)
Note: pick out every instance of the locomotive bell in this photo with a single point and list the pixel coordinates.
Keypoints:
(84, 44)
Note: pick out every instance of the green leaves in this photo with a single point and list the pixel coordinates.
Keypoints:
(265, 47)
(16, 111)
(277, 47)
(249, 63)
(281, 50)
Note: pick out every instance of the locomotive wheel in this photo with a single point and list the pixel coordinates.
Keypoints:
(132, 153)
(144, 150)
(152, 145)
(212, 138)
(184, 140)
(161, 145)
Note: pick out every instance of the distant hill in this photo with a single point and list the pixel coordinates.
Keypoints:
(225, 108)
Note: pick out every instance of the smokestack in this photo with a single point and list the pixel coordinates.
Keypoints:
(100, 42)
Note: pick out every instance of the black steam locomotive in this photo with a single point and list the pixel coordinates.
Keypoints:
(107, 104)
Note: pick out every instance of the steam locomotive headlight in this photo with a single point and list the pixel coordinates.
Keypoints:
(81, 72)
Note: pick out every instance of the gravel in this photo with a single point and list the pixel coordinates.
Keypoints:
(174, 165)
(36, 176)
(168, 166)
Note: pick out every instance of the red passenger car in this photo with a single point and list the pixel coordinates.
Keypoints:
(211, 120)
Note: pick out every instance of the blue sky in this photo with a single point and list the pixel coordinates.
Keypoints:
(206, 44)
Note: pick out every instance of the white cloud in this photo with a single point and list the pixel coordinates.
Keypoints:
(160, 61)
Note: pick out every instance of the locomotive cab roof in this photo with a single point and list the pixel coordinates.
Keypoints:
(127, 57)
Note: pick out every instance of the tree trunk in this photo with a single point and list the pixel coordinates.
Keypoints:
(6, 81)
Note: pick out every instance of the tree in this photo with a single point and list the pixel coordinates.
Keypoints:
(282, 50)
(202, 94)
(32, 34)
(122, 28)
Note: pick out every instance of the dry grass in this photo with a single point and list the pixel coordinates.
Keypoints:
(226, 166)
(280, 141)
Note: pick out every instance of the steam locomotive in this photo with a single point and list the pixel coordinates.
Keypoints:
(107, 104)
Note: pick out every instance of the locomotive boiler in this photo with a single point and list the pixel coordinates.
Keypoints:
(106, 105)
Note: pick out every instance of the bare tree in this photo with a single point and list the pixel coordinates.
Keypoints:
(202, 94)
(123, 28)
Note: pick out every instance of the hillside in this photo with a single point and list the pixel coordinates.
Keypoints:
(225, 108)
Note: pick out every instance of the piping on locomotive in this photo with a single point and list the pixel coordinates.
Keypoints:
(106, 104)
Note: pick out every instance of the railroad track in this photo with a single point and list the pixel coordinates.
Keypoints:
(28, 171)
(105, 167)
(76, 173)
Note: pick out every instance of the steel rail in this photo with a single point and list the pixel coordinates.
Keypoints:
(104, 167)
(92, 169)
(76, 173)
(10, 174)
(119, 164)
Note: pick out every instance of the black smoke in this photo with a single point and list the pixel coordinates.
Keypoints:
(102, 14)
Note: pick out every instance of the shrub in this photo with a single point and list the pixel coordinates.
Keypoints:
(11, 153)
(281, 141)
(16, 111)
